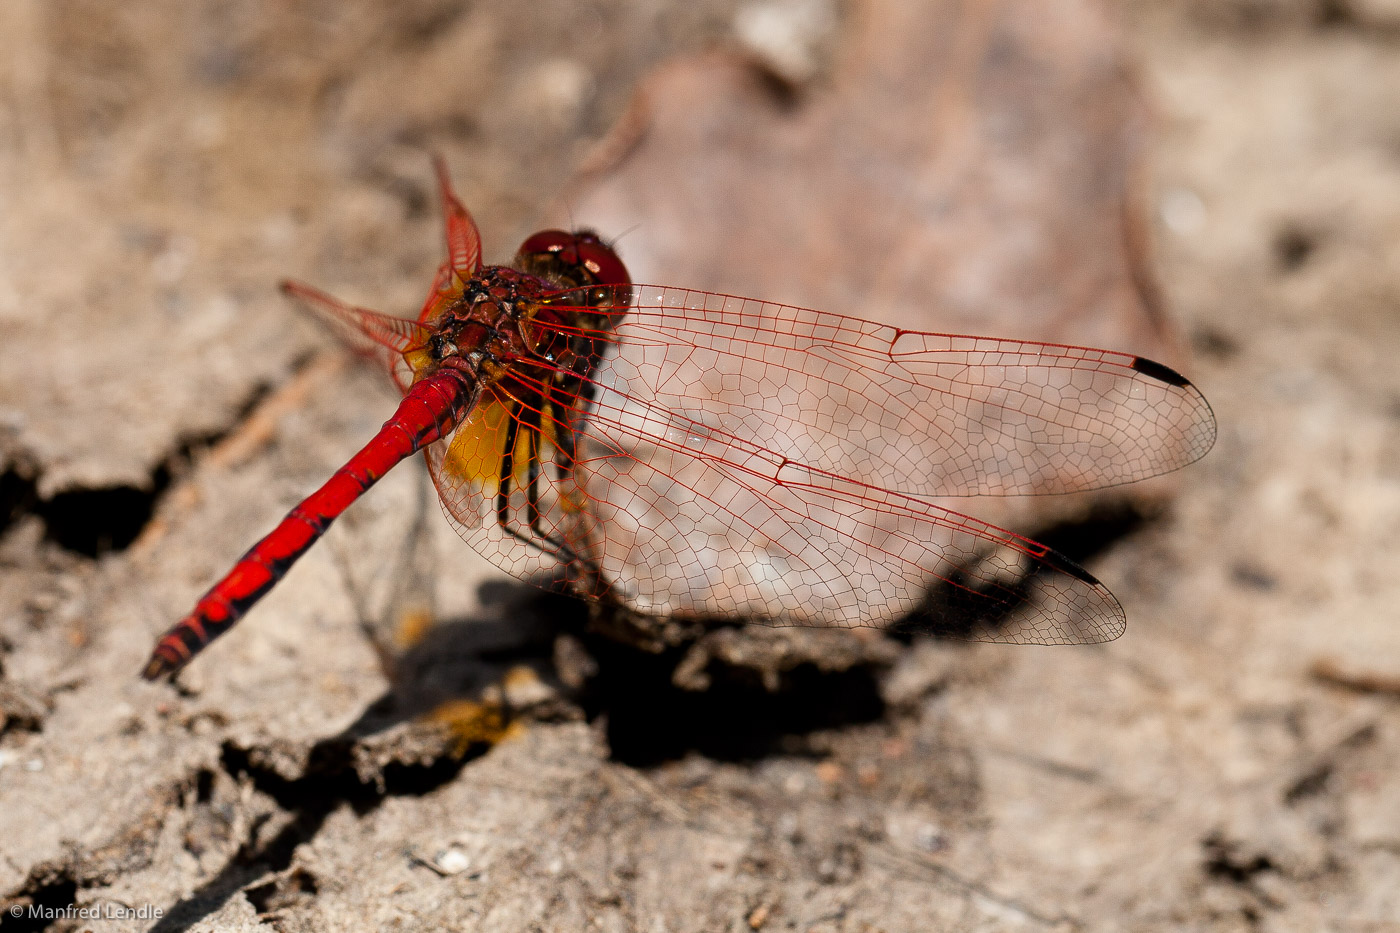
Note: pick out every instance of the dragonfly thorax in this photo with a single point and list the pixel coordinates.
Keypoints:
(488, 327)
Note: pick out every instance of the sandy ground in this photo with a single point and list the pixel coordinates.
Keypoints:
(1213, 182)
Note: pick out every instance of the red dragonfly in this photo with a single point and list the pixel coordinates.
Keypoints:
(691, 454)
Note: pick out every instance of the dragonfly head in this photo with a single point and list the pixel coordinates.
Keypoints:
(570, 260)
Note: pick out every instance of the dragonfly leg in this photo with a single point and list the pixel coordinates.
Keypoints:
(532, 420)
(507, 471)
(527, 416)
(532, 489)
(563, 467)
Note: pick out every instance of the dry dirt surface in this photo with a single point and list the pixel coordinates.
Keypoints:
(400, 737)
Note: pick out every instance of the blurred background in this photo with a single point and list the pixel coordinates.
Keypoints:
(1213, 183)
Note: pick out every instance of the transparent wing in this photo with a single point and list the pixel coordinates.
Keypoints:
(463, 239)
(369, 333)
(921, 413)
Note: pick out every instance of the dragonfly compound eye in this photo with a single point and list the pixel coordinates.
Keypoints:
(547, 241)
(580, 258)
(601, 260)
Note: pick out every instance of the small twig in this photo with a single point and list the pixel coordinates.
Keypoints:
(652, 792)
(1331, 671)
(976, 891)
(254, 432)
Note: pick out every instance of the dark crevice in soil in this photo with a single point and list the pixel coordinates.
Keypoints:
(329, 781)
(1226, 862)
(94, 522)
(43, 899)
(204, 786)
(282, 892)
(98, 521)
(18, 495)
(21, 710)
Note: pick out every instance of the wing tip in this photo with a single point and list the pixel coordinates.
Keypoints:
(1110, 621)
